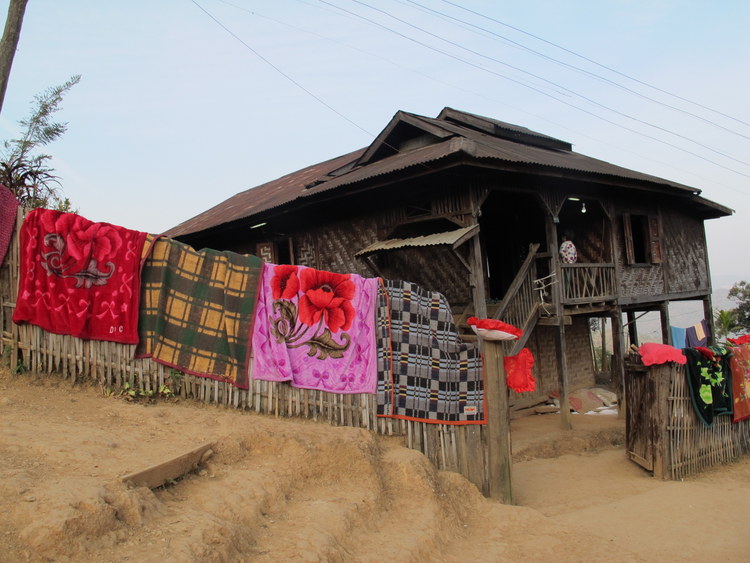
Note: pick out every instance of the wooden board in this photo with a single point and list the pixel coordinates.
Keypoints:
(161, 473)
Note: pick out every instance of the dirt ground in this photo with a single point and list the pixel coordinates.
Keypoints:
(291, 490)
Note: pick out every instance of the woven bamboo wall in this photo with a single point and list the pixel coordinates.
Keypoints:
(685, 252)
(692, 446)
(111, 366)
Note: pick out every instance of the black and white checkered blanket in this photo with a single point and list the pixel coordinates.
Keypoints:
(426, 372)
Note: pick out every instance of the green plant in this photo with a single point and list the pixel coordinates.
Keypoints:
(26, 173)
(132, 393)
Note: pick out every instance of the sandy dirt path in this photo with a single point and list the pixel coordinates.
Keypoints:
(295, 490)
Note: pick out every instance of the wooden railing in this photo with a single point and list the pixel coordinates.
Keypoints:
(521, 302)
(587, 283)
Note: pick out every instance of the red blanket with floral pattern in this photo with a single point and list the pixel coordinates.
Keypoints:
(78, 277)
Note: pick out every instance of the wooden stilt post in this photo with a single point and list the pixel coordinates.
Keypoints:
(632, 328)
(618, 352)
(562, 373)
(498, 423)
(666, 332)
(562, 359)
(474, 441)
(708, 314)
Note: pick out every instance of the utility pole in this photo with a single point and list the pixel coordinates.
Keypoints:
(9, 42)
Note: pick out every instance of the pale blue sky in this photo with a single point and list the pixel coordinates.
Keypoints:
(173, 114)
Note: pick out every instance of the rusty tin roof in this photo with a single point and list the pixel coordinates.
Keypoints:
(462, 135)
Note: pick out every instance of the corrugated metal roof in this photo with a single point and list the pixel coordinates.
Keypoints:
(263, 197)
(447, 237)
(462, 140)
(504, 129)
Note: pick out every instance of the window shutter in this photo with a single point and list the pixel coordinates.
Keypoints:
(628, 230)
(654, 239)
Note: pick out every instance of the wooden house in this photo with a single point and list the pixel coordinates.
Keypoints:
(476, 208)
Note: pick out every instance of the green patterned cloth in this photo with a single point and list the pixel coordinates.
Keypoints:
(197, 310)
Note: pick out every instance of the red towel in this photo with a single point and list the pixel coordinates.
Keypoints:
(653, 353)
(518, 371)
(78, 277)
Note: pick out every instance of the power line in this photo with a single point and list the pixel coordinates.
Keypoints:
(598, 64)
(281, 72)
(518, 45)
(586, 98)
(358, 16)
(452, 85)
(535, 89)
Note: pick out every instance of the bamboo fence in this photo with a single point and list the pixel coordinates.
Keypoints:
(693, 447)
(460, 448)
(665, 435)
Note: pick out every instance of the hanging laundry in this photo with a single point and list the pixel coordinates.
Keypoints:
(518, 371)
(745, 339)
(740, 368)
(679, 336)
(197, 310)
(710, 381)
(316, 329)
(696, 335)
(78, 277)
(427, 372)
(8, 213)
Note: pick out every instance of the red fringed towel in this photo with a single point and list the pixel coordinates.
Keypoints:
(518, 370)
(78, 277)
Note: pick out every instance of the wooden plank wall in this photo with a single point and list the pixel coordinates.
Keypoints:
(111, 366)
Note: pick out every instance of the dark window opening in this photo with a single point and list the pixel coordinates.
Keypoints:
(284, 251)
(638, 228)
(642, 239)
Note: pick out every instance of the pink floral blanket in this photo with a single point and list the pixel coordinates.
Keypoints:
(316, 329)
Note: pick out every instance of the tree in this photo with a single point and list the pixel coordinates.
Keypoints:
(29, 176)
(740, 293)
(725, 323)
(9, 42)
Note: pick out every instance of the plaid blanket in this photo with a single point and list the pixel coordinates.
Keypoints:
(197, 310)
(426, 372)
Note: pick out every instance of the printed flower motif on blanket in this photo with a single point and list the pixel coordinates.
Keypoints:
(316, 329)
(78, 277)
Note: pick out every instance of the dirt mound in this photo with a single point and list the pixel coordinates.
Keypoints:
(274, 490)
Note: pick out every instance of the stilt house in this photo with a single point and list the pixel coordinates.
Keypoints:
(476, 208)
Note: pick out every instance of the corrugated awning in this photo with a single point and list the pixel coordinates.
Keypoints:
(453, 238)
